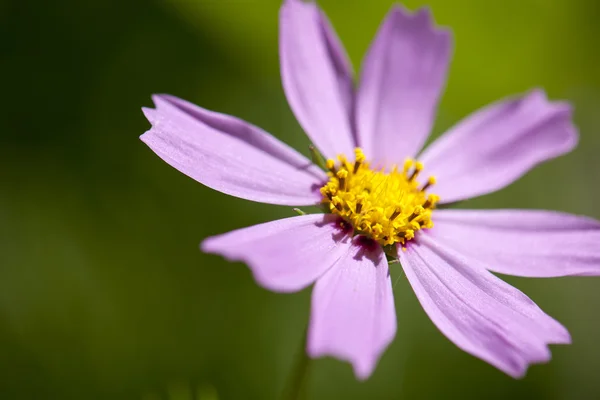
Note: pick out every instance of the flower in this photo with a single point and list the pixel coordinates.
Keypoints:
(377, 201)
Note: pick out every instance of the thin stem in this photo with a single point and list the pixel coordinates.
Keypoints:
(316, 157)
(295, 388)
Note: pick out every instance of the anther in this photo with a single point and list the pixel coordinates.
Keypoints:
(359, 159)
(337, 203)
(343, 161)
(395, 214)
(330, 164)
(342, 174)
(431, 201)
(418, 168)
(430, 181)
(358, 208)
(416, 212)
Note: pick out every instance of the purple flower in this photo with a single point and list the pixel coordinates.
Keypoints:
(378, 204)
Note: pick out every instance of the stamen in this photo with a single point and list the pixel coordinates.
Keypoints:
(343, 162)
(342, 174)
(431, 201)
(358, 207)
(418, 168)
(395, 214)
(417, 211)
(360, 158)
(337, 203)
(430, 181)
(385, 205)
(330, 165)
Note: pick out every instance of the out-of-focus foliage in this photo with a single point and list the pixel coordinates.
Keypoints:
(104, 293)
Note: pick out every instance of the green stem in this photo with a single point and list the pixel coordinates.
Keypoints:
(295, 388)
(316, 157)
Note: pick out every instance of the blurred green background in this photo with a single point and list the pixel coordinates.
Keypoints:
(104, 293)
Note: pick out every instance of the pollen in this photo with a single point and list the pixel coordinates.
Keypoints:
(388, 206)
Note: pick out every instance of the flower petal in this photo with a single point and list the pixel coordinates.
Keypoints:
(316, 76)
(285, 255)
(230, 155)
(353, 316)
(497, 145)
(403, 76)
(477, 311)
(528, 243)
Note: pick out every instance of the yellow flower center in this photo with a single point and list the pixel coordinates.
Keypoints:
(386, 206)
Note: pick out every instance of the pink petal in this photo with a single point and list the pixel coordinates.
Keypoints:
(353, 316)
(477, 311)
(230, 155)
(403, 76)
(317, 76)
(523, 242)
(285, 255)
(497, 145)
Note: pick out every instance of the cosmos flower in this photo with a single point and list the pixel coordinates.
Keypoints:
(381, 194)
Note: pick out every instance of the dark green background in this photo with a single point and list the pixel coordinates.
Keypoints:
(104, 293)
